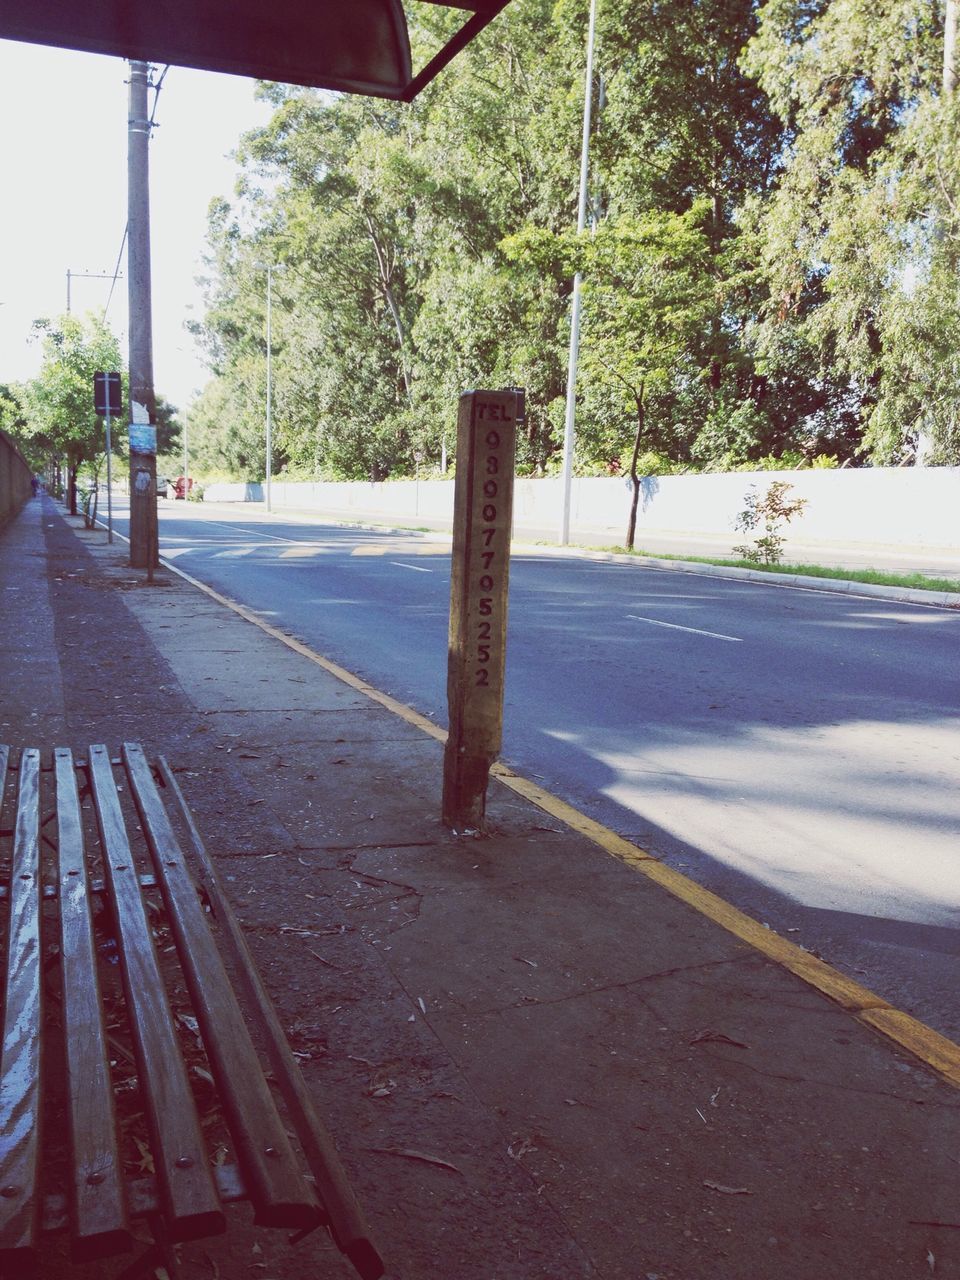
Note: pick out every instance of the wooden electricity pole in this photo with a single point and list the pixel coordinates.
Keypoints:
(482, 521)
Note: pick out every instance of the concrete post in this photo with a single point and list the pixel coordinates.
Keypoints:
(143, 415)
(482, 520)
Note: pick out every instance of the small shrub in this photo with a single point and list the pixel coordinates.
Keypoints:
(768, 512)
(789, 460)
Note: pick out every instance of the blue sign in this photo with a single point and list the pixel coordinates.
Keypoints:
(143, 437)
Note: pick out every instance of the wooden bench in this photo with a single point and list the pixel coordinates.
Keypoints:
(108, 870)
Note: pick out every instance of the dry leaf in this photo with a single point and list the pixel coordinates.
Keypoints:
(145, 1163)
(517, 1150)
(727, 1191)
(188, 1021)
(409, 1154)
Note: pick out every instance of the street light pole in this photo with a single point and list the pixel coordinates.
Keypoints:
(186, 473)
(269, 381)
(269, 268)
(568, 426)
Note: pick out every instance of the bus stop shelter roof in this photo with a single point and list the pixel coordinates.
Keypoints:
(355, 46)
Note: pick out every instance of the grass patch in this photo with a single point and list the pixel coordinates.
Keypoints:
(916, 581)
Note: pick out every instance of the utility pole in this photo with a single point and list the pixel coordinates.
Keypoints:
(143, 414)
(568, 426)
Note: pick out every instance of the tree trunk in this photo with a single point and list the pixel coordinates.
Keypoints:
(634, 478)
(386, 283)
(72, 487)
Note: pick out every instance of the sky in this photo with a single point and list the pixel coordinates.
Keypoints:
(63, 157)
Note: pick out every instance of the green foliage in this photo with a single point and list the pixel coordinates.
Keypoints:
(169, 429)
(60, 417)
(860, 238)
(13, 420)
(770, 275)
(768, 512)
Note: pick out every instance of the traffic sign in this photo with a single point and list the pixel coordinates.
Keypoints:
(107, 397)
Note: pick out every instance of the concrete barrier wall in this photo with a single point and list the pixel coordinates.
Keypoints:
(223, 492)
(15, 478)
(910, 506)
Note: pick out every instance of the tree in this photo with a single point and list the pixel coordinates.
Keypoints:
(809, 143)
(59, 401)
(650, 300)
(861, 240)
(169, 430)
(13, 417)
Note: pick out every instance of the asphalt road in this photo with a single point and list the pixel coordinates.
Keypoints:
(798, 752)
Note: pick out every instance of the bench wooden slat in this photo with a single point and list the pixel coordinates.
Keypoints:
(347, 1223)
(20, 1199)
(275, 1185)
(100, 1221)
(187, 1191)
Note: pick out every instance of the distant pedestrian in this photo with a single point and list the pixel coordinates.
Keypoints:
(35, 485)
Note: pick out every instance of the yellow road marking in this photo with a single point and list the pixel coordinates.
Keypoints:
(302, 551)
(409, 549)
(931, 1048)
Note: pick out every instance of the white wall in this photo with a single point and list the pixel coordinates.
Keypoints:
(910, 506)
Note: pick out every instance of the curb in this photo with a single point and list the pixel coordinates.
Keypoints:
(797, 581)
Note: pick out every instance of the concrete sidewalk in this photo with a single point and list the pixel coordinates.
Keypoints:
(537, 1062)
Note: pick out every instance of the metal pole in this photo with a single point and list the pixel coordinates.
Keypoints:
(950, 48)
(68, 290)
(109, 475)
(269, 380)
(143, 415)
(568, 426)
(186, 472)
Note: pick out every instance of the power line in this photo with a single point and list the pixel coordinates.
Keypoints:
(116, 269)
